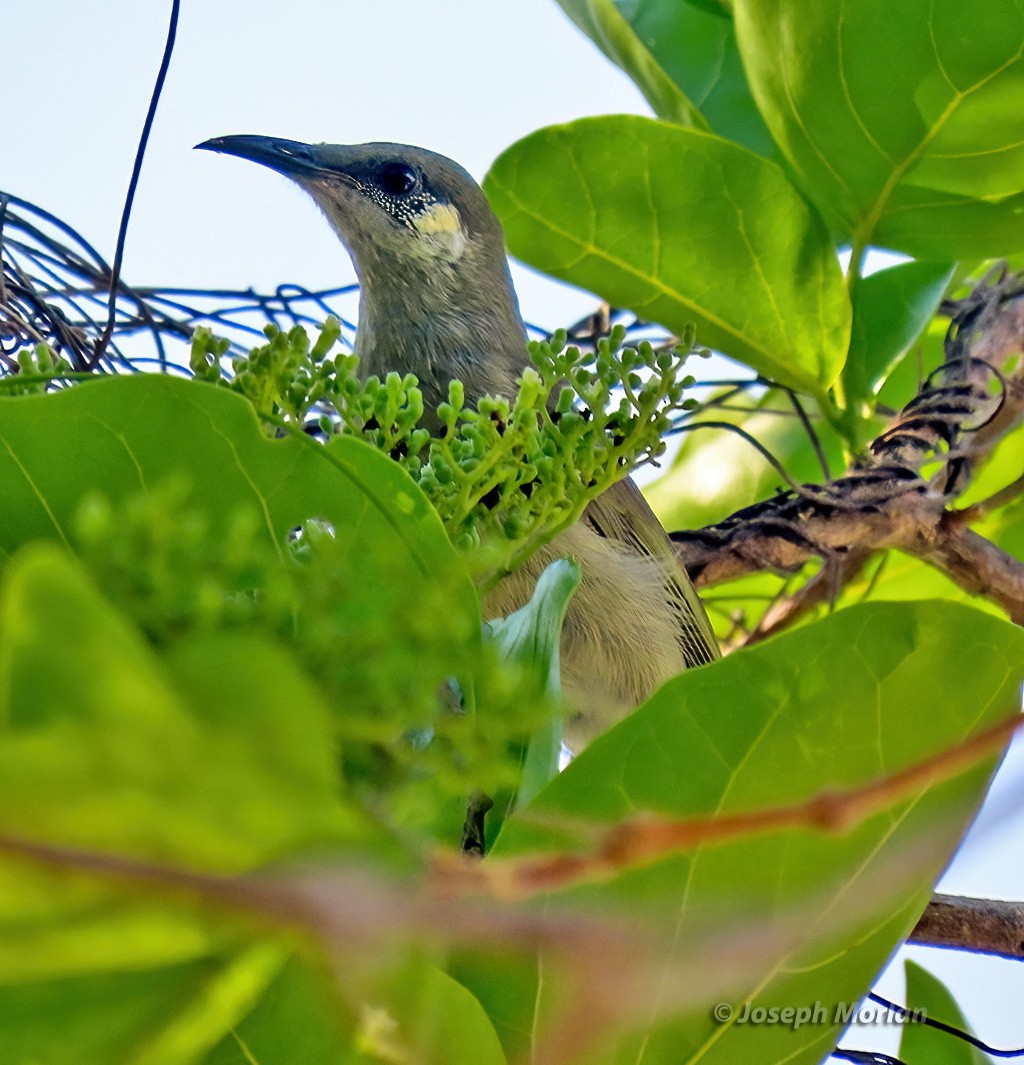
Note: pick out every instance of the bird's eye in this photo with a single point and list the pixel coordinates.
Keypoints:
(397, 179)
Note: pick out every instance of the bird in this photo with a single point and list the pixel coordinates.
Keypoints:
(437, 301)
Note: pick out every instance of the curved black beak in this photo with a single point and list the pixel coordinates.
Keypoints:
(292, 158)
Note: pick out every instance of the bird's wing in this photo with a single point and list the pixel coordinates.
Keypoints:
(621, 514)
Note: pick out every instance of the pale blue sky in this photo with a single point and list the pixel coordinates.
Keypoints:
(463, 77)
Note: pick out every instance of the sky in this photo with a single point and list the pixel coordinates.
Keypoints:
(462, 77)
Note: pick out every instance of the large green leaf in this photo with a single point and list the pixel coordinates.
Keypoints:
(922, 1045)
(681, 227)
(102, 749)
(696, 46)
(906, 130)
(219, 756)
(122, 435)
(133, 439)
(863, 693)
(124, 1017)
(259, 1005)
(603, 22)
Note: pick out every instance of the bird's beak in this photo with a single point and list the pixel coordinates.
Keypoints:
(291, 158)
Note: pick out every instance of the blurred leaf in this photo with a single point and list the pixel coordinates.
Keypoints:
(891, 308)
(299, 1019)
(603, 23)
(416, 1014)
(438, 1022)
(105, 752)
(921, 1045)
(259, 1004)
(713, 7)
(716, 472)
(109, 1017)
(927, 159)
(737, 607)
(673, 223)
(695, 43)
(126, 441)
(836, 704)
(220, 756)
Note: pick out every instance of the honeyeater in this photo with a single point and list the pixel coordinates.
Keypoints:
(436, 300)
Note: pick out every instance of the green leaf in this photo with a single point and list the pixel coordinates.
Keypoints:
(891, 308)
(224, 761)
(603, 23)
(674, 224)
(116, 1016)
(861, 694)
(258, 1005)
(417, 1014)
(220, 756)
(299, 1019)
(436, 1021)
(714, 7)
(921, 1045)
(121, 435)
(126, 439)
(936, 225)
(530, 637)
(695, 43)
(927, 159)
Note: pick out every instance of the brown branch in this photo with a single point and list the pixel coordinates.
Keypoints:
(986, 926)
(646, 838)
(823, 587)
(975, 564)
(956, 420)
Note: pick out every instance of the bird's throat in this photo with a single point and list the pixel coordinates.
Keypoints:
(439, 326)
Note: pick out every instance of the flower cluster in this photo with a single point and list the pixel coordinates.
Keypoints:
(508, 475)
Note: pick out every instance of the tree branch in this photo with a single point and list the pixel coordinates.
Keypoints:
(987, 926)
(956, 420)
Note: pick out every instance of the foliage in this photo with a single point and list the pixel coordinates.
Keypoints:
(245, 696)
(508, 476)
(922, 1045)
(719, 223)
(783, 151)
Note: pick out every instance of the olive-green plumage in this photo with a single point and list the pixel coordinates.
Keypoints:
(436, 300)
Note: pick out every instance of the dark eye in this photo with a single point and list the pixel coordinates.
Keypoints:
(397, 179)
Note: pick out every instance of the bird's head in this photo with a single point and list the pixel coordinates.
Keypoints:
(390, 203)
(436, 296)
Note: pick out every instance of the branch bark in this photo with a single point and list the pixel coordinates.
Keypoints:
(986, 926)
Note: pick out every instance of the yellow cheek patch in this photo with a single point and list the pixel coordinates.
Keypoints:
(440, 218)
(439, 228)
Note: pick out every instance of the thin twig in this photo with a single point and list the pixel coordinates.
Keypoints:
(811, 434)
(122, 232)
